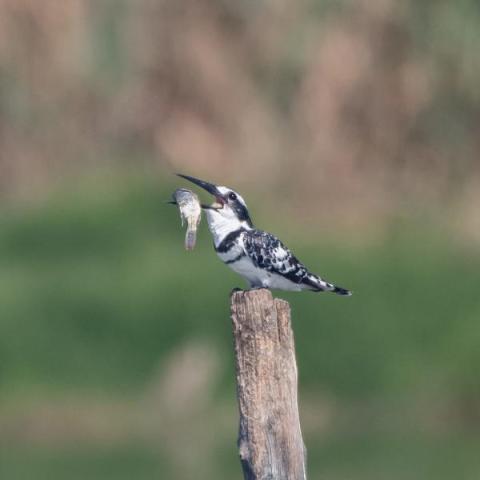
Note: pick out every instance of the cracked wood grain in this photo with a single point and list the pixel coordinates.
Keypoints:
(270, 439)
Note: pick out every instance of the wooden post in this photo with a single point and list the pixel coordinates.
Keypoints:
(270, 440)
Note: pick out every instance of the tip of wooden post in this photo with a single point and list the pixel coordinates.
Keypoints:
(270, 438)
(256, 293)
(281, 303)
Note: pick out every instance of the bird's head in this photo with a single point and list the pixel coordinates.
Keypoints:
(229, 211)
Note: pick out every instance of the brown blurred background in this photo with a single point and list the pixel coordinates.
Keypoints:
(360, 107)
(352, 127)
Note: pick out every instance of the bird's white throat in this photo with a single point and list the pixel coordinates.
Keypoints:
(221, 224)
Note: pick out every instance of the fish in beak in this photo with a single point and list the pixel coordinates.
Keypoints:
(210, 188)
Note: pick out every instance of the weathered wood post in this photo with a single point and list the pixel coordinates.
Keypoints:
(270, 440)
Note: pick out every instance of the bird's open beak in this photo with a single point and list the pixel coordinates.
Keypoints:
(210, 188)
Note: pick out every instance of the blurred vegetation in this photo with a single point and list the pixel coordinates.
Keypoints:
(352, 129)
(98, 294)
(372, 105)
(99, 275)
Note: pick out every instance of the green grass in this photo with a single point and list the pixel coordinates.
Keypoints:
(97, 290)
(395, 457)
(342, 457)
(81, 462)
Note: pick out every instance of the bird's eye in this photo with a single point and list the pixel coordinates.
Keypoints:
(232, 196)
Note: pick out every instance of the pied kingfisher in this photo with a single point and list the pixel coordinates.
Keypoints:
(258, 256)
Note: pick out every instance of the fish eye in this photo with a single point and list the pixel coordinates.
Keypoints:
(232, 196)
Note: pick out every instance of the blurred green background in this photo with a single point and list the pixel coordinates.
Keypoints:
(352, 129)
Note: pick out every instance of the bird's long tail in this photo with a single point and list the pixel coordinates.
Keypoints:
(320, 285)
(341, 291)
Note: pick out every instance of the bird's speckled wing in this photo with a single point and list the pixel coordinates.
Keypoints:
(269, 253)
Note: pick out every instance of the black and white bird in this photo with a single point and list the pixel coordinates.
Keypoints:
(259, 257)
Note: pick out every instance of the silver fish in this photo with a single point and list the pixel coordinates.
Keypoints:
(190, 210)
